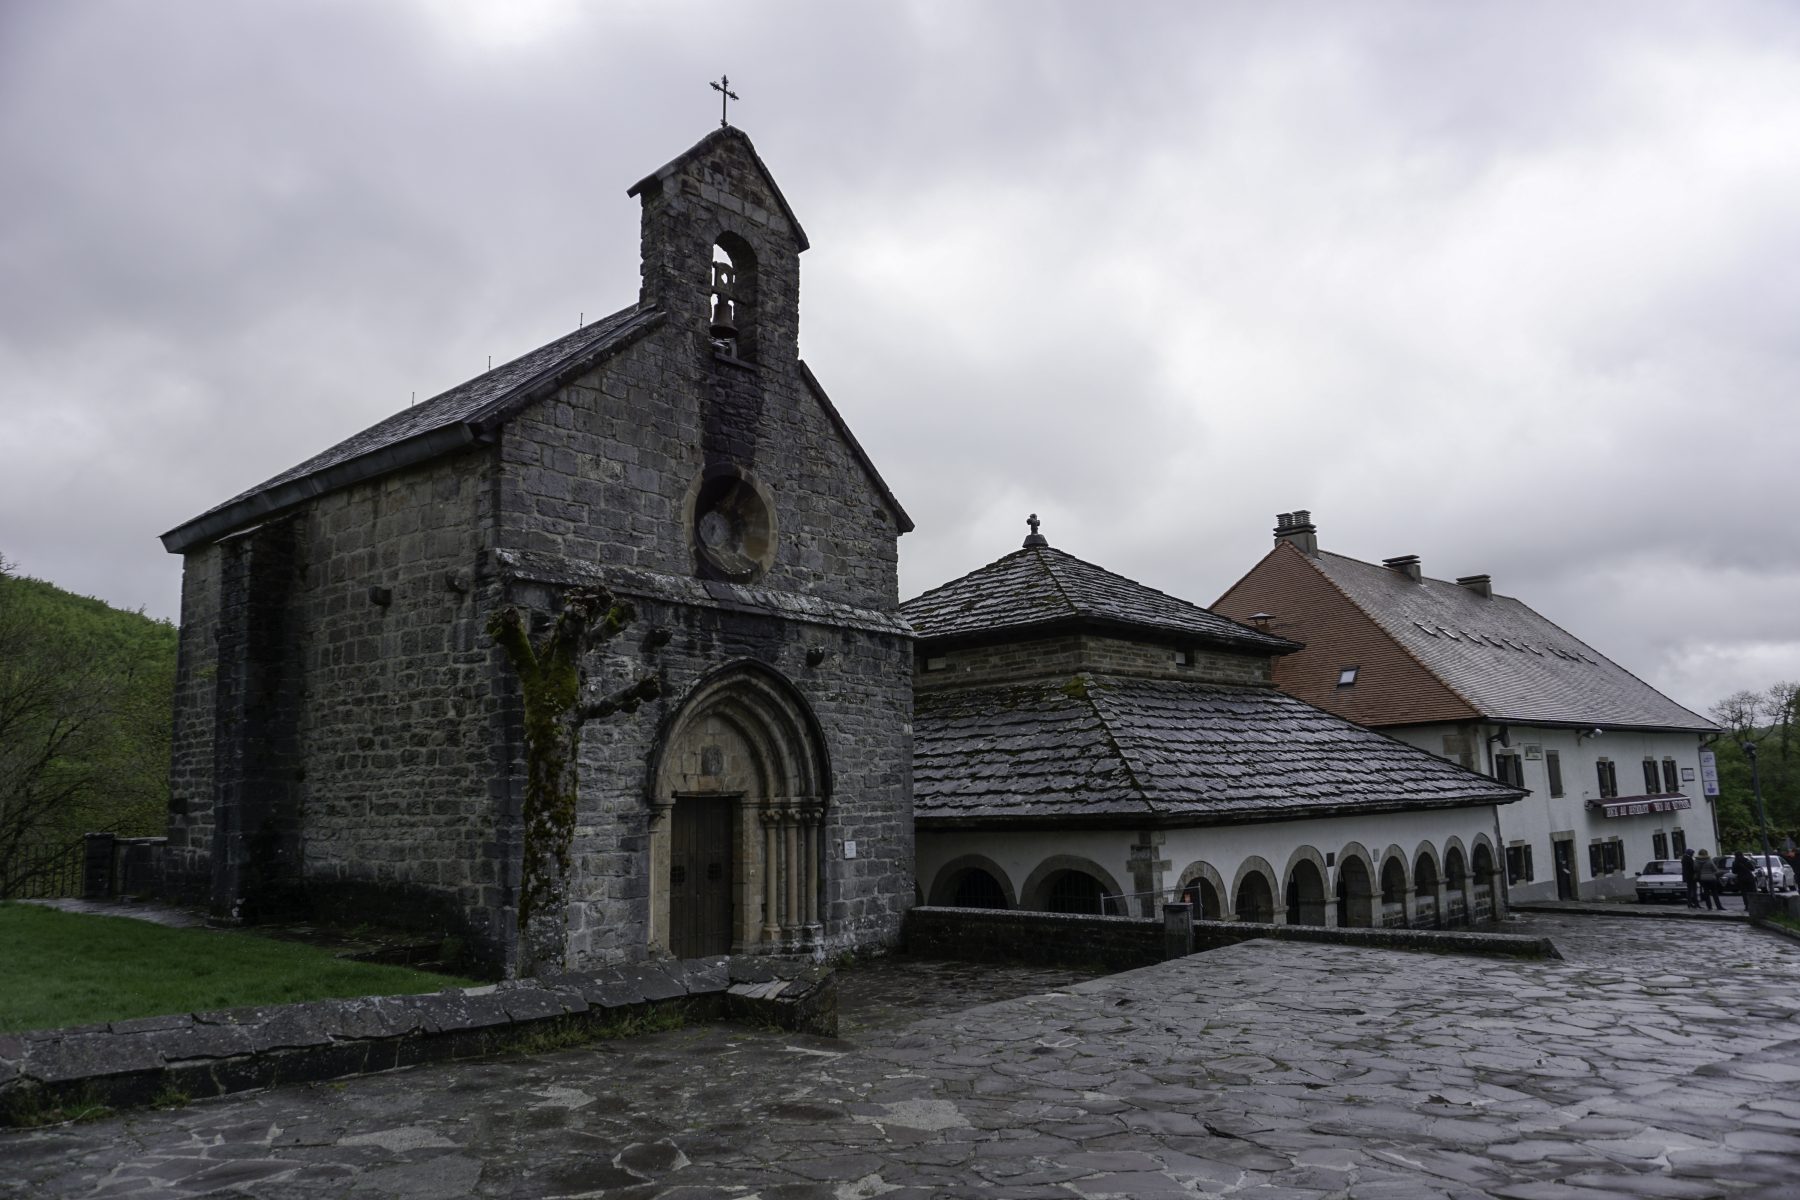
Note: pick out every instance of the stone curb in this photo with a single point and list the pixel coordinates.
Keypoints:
(126, 1064)
(1211, 935)
(1639, 912)
(1126, 943)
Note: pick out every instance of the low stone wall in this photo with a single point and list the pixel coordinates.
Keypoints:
(1123, 943)
(1040, 938)
(195, 1055)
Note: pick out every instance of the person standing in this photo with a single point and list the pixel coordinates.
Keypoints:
(1746, 876)
(1706, 869)
(1690, 876)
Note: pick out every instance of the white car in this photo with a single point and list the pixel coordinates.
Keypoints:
(1661, 880)
(1784, 874)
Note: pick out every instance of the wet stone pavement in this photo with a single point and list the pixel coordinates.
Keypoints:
(1660, 1059)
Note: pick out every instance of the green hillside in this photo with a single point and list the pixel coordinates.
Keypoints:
(85, 711)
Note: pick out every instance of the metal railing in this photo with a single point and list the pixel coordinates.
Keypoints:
(43, 872)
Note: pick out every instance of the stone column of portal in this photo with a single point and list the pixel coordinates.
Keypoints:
(660, 810)
(771, 928)
(791, 924)
(814, 815)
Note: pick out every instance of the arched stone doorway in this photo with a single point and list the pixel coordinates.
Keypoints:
(1355, 894)
(1305, 894)
(737, 819)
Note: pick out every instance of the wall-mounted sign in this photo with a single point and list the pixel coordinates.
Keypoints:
(1687, 774)
(1709, 773)
(1533, 753)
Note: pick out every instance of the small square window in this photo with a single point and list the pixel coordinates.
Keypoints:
(937, 664)
(1181, 658)
(1347, 677)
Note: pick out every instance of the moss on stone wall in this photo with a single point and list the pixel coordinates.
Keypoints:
(552, 680)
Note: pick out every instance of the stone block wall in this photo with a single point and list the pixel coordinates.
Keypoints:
(608, 470)
(404, 811)
(187, 861)
(860, 692)
(1039, 658)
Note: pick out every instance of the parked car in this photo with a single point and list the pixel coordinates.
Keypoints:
(1661, 880)
(1784, 874)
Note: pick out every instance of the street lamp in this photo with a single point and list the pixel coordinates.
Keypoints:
(1763, 821)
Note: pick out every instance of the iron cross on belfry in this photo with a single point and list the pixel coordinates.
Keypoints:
(726, 96)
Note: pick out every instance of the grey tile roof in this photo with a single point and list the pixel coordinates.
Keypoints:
(480, 401)
(1040, 585)
(1100, 748)
(1507, 661)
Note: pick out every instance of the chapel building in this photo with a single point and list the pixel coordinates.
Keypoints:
(349, 739)
(1087, 744)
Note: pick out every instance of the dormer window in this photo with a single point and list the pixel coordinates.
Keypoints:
(731, 300)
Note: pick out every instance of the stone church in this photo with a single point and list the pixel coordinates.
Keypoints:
(349, 738)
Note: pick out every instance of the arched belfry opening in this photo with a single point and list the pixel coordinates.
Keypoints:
(731, 302)
(739, 796)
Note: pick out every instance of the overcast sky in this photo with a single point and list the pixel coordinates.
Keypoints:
(1512, 287)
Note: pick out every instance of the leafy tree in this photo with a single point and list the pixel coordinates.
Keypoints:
(1769, 720)
(85, 719)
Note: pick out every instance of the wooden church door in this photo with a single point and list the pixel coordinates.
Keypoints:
(700, 842)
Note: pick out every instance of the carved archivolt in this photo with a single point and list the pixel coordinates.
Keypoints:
(744, 733)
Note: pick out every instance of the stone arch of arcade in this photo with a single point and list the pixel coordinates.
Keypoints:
(1305, 890)
(1201, 886)
(1355, 887)
(1057, 884)
(740, 784)
(1253, 891)
(959, 883)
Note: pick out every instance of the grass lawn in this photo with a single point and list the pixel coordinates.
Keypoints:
(59, 969)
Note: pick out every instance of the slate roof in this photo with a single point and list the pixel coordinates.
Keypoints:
(468, 409)
(1040, 586)
(1101, 749)
(1507, 661)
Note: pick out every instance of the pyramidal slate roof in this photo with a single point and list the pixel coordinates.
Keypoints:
(1509, 662)
(1100, 749)
(436, 426)
(1039, 587)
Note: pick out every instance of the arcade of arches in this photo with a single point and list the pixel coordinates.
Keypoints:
(1432, 887)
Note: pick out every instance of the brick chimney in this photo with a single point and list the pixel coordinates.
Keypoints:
(1406, 564)
(1481, 585)
(1296, 528)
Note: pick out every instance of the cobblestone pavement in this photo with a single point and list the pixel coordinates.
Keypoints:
(1659, 1059)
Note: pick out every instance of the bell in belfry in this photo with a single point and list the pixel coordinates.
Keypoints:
(724, 313)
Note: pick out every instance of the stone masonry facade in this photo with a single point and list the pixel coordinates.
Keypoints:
(349, 741)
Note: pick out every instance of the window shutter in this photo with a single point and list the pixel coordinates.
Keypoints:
(1671, 776)
(1553, 768)
(1652, 780)
(1596, 864)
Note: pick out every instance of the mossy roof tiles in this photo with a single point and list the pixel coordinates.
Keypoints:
(1042, 586)
(1100, 748)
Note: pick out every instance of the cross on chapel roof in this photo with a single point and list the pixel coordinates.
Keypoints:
(1034, 538)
